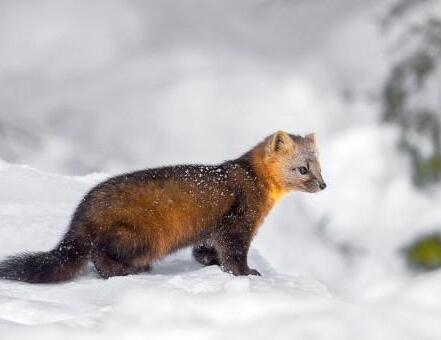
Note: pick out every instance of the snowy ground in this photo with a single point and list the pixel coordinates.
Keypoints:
(180, 298)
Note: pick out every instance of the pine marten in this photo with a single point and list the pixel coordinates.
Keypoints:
(131, 220)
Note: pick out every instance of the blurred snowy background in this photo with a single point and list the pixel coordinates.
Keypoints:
(109, 86)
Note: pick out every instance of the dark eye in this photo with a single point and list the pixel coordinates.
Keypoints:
(303, 170)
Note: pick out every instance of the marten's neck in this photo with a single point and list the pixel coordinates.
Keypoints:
(266, 173)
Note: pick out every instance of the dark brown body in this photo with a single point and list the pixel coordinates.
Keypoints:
(129, 221)
(137, 218)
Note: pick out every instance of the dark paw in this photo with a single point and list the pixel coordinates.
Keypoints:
(243, 272)
(254, 272)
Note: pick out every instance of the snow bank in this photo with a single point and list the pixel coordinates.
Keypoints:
(35, 207)
(181, 299)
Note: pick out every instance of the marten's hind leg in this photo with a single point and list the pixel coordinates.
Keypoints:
(108, 267)
(119, 252)
(206, 255)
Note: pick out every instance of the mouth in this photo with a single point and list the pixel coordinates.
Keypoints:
(313, 187)
(314, 190)
(310, 189)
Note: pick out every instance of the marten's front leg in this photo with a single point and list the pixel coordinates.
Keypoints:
(233, 248)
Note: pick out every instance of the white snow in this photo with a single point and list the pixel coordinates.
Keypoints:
(178, 297)
(181, 299)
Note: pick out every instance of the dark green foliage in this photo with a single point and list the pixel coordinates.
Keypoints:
(428, 170)
(425, 253)
(411, 80)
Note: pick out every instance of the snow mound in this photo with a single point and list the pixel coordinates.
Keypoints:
(178, 291)
(178, 298)
(181, 299)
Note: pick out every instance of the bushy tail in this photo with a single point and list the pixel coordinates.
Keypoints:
(60, 264)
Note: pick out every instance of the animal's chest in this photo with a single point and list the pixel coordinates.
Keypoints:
(261, 213)
(264, 202)
(255, 207)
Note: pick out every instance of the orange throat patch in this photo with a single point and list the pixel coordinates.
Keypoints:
(276, 194)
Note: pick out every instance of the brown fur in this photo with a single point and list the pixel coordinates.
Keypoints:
(131, 220)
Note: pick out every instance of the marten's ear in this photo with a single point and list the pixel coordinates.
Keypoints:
(312, 141)
(311, 138)
(278, 141)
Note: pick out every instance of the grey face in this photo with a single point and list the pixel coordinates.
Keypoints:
(313, 179)
(303, 171)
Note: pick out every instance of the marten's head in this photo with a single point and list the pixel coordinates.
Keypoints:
(290, 162)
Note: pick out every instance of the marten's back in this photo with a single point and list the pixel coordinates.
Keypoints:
(167, 207)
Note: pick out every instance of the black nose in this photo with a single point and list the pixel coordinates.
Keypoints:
(322, 186)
